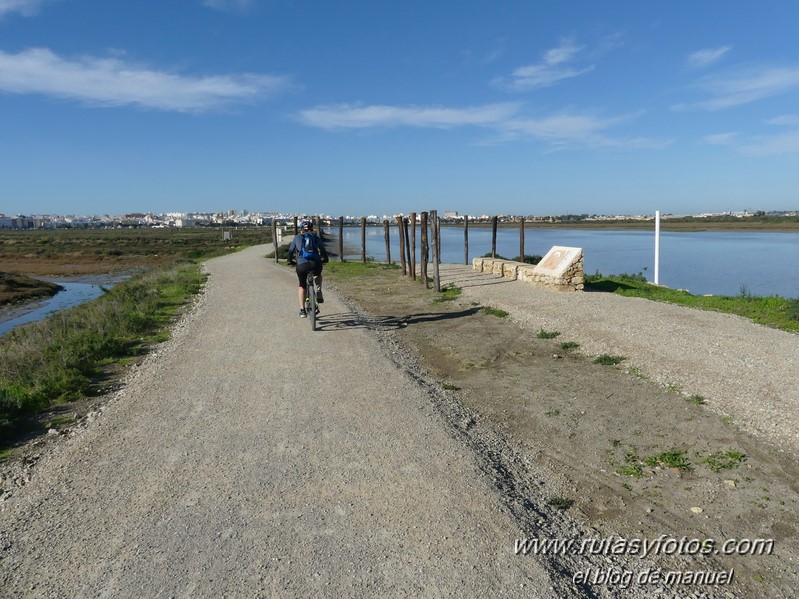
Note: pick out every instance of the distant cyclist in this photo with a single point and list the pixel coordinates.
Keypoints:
(311, 254)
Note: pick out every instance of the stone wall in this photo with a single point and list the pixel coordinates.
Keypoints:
(554, 272)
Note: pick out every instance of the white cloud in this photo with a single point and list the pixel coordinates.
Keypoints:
(786, 119)
(704, 58)
(23, 7)
(577, 130)
(743, 87)
(229, 5)
(503, 120)
(551, 69)
(112, 82)
(721, 139)
(778, 144)
(348, 116)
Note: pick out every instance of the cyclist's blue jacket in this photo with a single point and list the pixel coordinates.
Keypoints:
(295, 248)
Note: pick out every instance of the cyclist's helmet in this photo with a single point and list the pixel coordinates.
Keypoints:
(306, 225)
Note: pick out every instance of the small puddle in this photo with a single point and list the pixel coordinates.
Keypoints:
(76, 291)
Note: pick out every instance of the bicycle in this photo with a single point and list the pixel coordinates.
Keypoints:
(311, 307)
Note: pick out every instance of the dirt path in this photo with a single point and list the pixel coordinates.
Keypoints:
(250, 457)
(420, 442)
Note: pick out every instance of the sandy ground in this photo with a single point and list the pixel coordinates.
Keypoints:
(401, 450)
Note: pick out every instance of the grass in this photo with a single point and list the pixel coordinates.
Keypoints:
(569, 345)
(772, 311)
(560, 503)
(726, 460)
(697, 400)
(448, 293)
(542, 334)
(65, 356)
(495, 312)
(609, 360)
(669, 459)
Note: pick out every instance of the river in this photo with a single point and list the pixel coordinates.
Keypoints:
(703, 262)
(76, 291)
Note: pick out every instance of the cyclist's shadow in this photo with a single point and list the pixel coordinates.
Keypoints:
(339, 321)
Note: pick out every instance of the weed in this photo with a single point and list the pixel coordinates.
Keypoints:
(669, 459)
(726, 419)
(554, 412)
(633, 470)
(615, 442)
(608, 360)
(495, 312)
(569, 345)
(448, 293)
(450, 387)
(697, 400)
(542, 334)
(561, 503)
(673, 389)
(728, 460)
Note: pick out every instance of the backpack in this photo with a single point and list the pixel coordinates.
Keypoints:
(309, 250)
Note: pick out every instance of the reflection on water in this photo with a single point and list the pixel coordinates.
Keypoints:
(74, 294)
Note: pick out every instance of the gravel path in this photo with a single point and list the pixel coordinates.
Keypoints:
(743, 370)
(250, 457)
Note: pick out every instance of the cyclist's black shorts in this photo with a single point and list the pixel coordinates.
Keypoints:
(306, 267)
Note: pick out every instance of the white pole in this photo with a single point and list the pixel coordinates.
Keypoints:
(657, 247)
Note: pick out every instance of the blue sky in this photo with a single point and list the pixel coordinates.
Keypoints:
(378, 107)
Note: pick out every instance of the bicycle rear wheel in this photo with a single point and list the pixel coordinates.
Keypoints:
(311, 301)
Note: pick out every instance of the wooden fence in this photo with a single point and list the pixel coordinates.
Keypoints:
(429, 247)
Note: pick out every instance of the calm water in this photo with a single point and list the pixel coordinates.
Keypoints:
(720, 262)
(73, 294)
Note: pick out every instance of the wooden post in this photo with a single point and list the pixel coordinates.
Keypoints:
(318, 225)
(521, 240)
(438, 237)
(296, 227)
(423, 261)
(401, 246)
(413, 245)
(274, 237)
(341, 239)
(407, 247)
(466, 240)
(436, 251)
(388, 241)
(493, 236)
(363, 239)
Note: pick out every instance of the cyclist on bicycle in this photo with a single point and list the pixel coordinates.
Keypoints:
(311, 254)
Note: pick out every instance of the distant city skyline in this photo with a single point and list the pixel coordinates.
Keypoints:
(380, 108)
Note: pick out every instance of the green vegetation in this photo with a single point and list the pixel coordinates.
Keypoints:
(608, 360)
(528, 258)
(66, 356)
(569, 345)
(542, 334)
(353, 270)
(451, 387)
(773, 311)
(697, 400)
(560, 503)
(495, 312)
(78, 251)
(726, 460)
(669, 459)
(448, 293)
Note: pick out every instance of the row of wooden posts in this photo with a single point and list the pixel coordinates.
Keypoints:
(406, 227)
